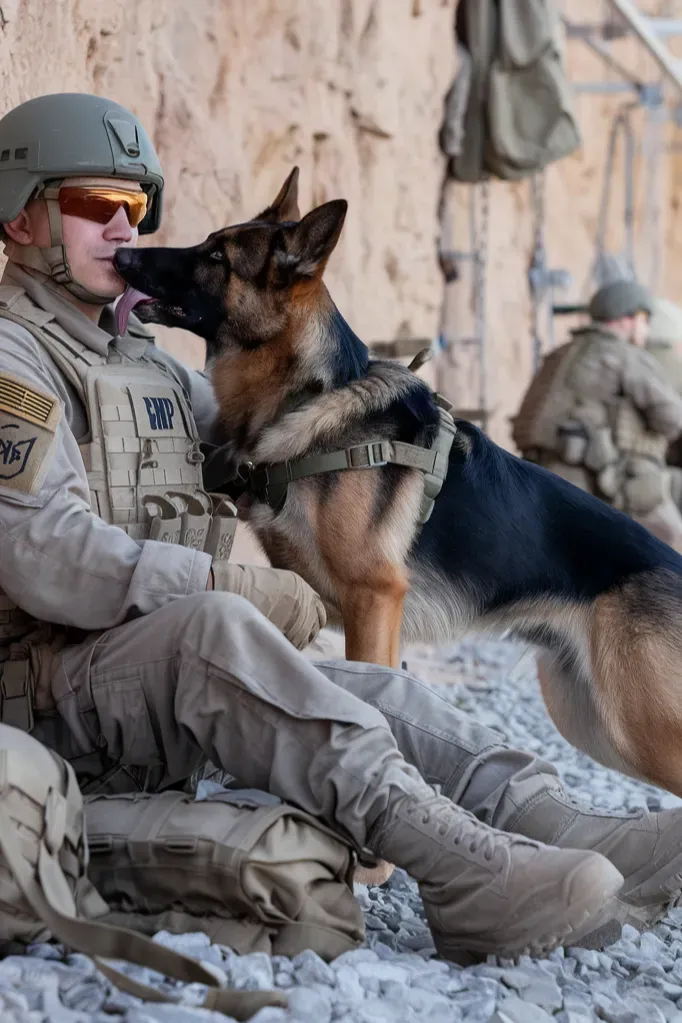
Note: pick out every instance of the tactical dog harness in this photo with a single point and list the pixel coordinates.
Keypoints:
(268, 483)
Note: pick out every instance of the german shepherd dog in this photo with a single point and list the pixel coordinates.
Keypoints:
(509, 547)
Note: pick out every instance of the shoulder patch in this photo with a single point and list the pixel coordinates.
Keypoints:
(28, 423)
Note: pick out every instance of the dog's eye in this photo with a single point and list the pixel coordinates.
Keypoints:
(218, 255)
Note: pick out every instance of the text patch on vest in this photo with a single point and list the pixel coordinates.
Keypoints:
(158, 412)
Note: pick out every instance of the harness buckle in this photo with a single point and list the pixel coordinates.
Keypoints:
(378, 453)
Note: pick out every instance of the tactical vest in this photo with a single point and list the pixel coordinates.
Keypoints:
(631, 434)
(608, 438)
(548, 403)
(141, 455)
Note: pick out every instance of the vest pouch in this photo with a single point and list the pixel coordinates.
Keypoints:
(600, 450)
(142, 426)
(645, 487)
(166, 524)
(195, 517)
(571, 443)
(609, 481)
(223, 527)
(629, 427)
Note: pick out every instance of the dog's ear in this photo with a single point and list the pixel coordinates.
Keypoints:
(310, 243)
(285, 206)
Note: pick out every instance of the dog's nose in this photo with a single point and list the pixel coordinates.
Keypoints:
(124, 259)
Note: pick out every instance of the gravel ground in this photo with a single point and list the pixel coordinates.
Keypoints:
(395, 977)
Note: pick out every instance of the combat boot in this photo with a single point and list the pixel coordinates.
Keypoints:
(486, 891)
(645, 847)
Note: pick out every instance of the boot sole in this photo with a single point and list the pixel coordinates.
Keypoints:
(580, 926)
(641, 917)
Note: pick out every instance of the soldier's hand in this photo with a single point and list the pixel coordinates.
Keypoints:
(283, 597)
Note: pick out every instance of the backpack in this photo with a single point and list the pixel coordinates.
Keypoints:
(510, 110)
(45, 889)
(248, 870)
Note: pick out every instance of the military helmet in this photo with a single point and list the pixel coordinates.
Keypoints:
(73, 134)
(620, 298)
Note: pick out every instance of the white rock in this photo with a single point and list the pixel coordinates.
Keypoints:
(270, 1014)
(311, 968)
(519, 1011)
(309, 1006)
(348, 984)
(252, 972)
(382, 972)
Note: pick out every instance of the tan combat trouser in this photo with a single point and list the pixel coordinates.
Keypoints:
(208, 677)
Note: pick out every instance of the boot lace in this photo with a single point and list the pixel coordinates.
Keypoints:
(461, 826)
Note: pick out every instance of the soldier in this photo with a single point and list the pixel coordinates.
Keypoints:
(601, 413)
(117, 657)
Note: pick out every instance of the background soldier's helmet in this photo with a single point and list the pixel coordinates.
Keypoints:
(620, 298)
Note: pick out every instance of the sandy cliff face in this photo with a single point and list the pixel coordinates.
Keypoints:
(234, 93)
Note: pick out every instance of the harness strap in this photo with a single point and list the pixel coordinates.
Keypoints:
(16, 695)
(269, 483)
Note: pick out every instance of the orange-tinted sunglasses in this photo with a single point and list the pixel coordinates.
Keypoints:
(101, 204)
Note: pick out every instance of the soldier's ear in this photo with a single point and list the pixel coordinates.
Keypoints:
(20, 229)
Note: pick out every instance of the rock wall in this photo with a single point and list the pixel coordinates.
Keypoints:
(234, 92)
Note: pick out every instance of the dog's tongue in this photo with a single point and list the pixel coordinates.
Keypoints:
(125, 305)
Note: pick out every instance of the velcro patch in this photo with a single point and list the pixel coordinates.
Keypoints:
(28, 423)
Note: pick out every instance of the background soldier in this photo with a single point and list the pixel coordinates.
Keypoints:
(601, 413)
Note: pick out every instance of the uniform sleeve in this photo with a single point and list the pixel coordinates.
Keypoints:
(643, 381)
(58, 560)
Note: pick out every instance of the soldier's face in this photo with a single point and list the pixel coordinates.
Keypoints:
(640, 329)
(90, 249)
